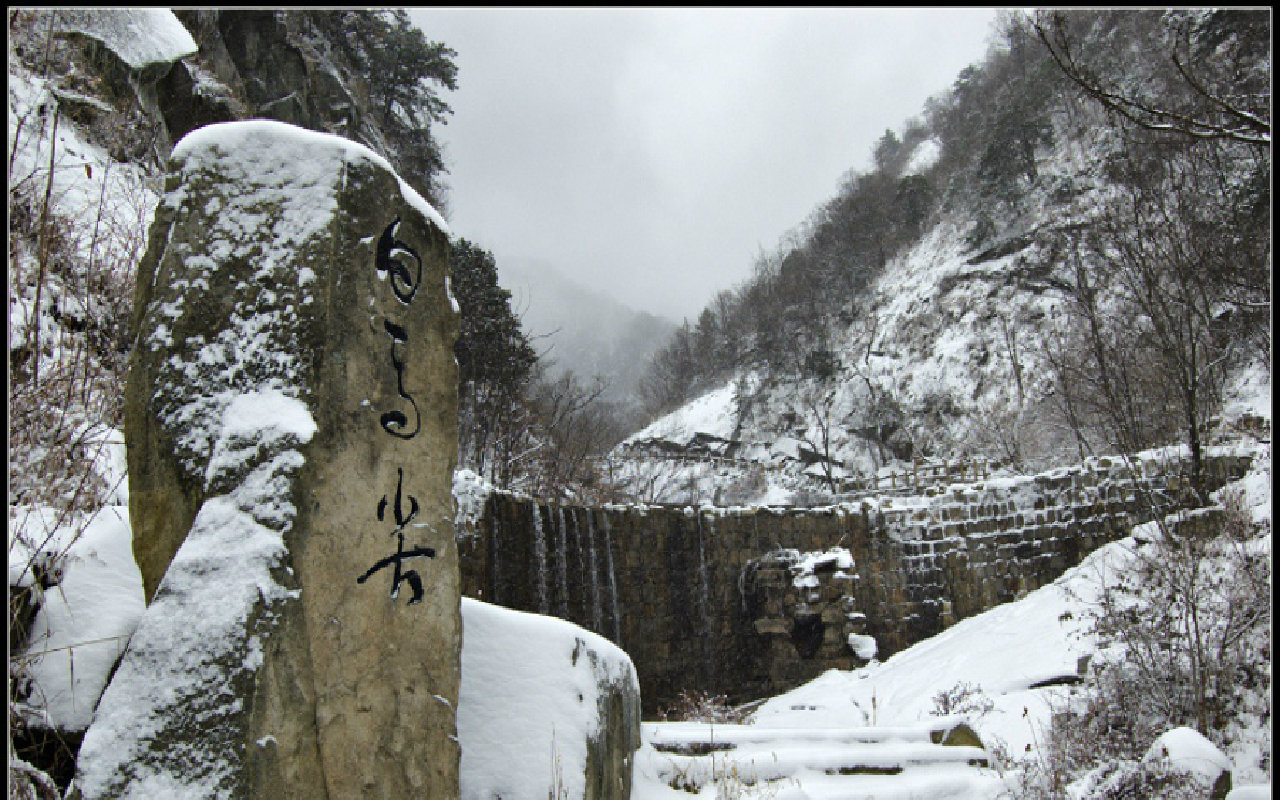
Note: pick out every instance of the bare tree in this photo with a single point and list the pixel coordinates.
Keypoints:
(573, 428)
(818, 398)
(1152, 300)
(878, 406)
(1211, 104)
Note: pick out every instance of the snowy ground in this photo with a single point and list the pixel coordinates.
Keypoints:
(998, 655)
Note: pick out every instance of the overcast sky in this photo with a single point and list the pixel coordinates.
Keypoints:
(652, 153)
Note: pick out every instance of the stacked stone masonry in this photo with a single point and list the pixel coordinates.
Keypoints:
(681, 589)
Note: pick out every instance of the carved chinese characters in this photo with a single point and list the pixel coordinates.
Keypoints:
(390, 263)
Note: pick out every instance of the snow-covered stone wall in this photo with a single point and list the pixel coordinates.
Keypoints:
(678, 589)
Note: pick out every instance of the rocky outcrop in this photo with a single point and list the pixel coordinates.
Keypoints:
(261, 63)
(291, 427)
(130, 52)
(807, 608)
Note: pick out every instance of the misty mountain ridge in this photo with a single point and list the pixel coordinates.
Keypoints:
(577, 329)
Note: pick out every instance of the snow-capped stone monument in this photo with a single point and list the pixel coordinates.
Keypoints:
(291, 426)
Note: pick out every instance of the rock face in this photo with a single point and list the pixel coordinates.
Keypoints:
(267, 64)
(559, 719)
(809, 612)
(291, 428)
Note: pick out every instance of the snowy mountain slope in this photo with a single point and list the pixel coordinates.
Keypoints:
(948, 352)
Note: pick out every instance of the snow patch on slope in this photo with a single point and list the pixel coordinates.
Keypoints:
(713, 414)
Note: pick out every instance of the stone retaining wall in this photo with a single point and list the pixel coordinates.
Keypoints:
(678, 588)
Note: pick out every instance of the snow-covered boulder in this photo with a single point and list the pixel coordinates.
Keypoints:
(83, 619)
(546, 709)
(1187, 750)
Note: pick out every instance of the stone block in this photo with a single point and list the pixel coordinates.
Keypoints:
(833, 615)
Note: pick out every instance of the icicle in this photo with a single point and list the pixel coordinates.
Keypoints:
(613, 581)
(597, 615)
(562, 567)
(704, 598)
(495, 550)
(540, 553)
(580, 578)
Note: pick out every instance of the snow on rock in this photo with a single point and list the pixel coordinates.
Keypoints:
(139, 36)
(1187, 750)
(252, 422)
(538, 695)
(195, 641)
(863, 646)
(713, 414)
(806, 564)
(263, 144)
(85, 620)
(294, 174)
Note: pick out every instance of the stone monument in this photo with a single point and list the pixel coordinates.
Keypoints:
(291, 426)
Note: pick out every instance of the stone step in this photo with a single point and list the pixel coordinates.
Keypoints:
(686, 737)
(832, 762)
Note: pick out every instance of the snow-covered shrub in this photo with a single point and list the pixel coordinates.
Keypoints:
(1184, 640)
(1127, 778)
(698, 706)
(964, 699)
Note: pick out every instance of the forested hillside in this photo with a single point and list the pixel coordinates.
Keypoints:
(1067, 252)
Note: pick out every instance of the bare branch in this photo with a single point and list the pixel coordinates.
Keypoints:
(1248, 128)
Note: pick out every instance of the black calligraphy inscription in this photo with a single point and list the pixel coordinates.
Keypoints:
(396, 559)
(392, 259)
(396, 422)
(392, 256)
